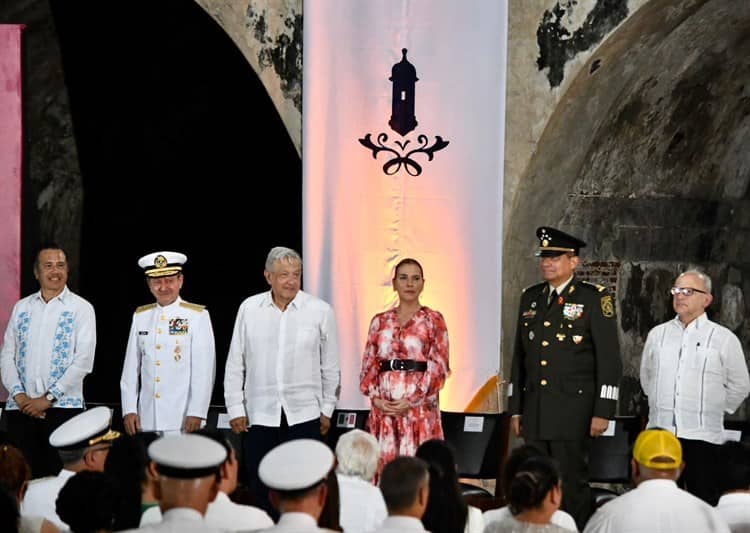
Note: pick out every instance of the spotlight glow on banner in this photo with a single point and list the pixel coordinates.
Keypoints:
(403, 149)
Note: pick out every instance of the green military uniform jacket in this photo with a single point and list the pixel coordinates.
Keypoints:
(566, 361)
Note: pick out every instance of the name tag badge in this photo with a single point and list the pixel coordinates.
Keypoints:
(143, 333)
(178, 326)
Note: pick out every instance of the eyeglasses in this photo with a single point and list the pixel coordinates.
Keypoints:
(685, 291)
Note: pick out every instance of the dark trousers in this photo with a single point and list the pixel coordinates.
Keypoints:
(699, 477)
(573, 458)
(31, 436)
(258, 441)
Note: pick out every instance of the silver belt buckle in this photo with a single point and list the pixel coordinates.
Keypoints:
(393, 364)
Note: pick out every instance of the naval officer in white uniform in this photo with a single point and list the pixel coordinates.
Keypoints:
(170, 362)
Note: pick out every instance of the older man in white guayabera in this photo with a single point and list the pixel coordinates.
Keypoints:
(693, 371)
(362, 507)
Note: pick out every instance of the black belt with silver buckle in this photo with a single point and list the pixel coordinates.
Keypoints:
(403, 365)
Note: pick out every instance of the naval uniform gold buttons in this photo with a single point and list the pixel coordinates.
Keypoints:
(543, 382)
(158, 346)
(158, 379)
(544, 362)
(158, 363)
(158, 395)
(158, 330)
(545, 343)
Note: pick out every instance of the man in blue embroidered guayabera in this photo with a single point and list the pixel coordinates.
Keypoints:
(47, 350)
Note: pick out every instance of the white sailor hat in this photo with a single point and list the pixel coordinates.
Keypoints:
(187, 456)
(160, 264)
(84, 430)
(296, 465)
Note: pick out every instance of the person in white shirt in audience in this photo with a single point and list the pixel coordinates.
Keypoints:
(188, 467)
(446, 511)
(693, 371)
(362, 505)
(534, 494)
(223, 513)
(282, 374)
(734, 485)
(82, 443)
(295, 472)
(656, 504)
(516, 458)
(405, 483)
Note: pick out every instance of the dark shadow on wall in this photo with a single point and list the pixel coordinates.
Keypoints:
(172, 127)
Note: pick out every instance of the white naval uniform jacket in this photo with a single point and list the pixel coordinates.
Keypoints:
(171, 351)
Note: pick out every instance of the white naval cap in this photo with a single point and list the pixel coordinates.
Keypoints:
(161, 264)
(84, 430)
(296, 465)
(187, 456)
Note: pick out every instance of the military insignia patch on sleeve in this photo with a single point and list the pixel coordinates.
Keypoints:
(608, 306)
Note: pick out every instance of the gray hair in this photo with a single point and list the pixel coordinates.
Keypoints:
(701, 275)
(281, 253)
(357, 454)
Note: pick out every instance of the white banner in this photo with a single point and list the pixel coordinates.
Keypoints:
(403, 149)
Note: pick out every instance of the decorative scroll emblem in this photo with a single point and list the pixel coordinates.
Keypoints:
(160, 261)
(403, 121)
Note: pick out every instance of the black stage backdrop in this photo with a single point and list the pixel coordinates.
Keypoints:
(180, 149)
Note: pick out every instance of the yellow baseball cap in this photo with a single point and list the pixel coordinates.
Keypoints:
(658, 449)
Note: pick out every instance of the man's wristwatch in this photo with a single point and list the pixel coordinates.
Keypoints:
(50, 397)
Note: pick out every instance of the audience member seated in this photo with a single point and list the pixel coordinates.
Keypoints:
(82, 444)
(14, 478)
(516, 458)
(128, 463)
(656, 504)
(188, 467)
(534, 494)
(446, 511)
(295, 472)
(734, 485)
(88, 502)
(405, 483)
(362, 506)
(330, 516)
(223, 513)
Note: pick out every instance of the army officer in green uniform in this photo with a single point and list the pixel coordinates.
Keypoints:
(566, 366)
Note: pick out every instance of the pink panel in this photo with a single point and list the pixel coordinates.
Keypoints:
(10, 171)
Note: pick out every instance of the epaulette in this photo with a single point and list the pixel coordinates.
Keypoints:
(599, 288)
(535, 285)
(145, 308)
(193, 307)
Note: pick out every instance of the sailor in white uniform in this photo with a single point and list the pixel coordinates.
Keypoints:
(170, 362)
(82, 443)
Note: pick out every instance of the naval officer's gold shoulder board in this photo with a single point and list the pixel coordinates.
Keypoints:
(145, 308)
(192, 307)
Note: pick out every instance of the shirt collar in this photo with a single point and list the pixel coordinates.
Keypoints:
(403, 523)
(267, 300)
(298, 520)
(182, 514)
(561, 287)
(173, 304)
(64, 296)
(698, 323)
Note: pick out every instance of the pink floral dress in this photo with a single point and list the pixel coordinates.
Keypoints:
(423, 338)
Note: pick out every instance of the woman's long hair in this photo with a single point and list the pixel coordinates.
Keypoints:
(446, 509)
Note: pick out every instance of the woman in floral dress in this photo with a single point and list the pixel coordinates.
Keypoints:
(404, 366)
